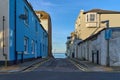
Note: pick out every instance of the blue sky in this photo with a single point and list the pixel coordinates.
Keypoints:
(64, 13)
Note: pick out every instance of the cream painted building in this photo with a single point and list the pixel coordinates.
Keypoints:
(90, 42)
(93, 46)
(89, 23)
(45, 21)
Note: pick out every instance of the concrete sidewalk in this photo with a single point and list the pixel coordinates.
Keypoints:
(21, 66)
(95, 67)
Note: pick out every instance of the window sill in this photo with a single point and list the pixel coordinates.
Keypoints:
(26, 53)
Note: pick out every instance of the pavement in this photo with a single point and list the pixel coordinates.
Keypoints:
(20, 67)
(89, 66)
(95, 67)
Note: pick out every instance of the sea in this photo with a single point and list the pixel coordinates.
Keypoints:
(59, 55)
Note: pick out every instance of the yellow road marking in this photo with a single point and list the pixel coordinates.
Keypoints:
(35, 66)
(78, 66)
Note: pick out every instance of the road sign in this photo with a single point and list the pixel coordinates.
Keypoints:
(108, 34)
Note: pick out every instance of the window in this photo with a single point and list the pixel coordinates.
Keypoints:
(27, 14)
(33, 47)
(41, 15)
(43, 47)
(43, 35)
(91, 17)
(36, 47)
(87, 18)
(25, 45)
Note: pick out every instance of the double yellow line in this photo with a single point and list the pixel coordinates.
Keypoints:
(33, 67)
(37, 65)
(78, 66)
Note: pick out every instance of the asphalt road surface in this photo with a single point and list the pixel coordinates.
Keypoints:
(58, 65)
(59, 69)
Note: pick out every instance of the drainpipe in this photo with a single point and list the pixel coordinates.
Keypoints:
(5, 55)
(15, 61)
(88, 50)
(3, 33)
(108, 56)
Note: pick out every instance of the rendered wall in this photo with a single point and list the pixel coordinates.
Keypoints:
(4, 11)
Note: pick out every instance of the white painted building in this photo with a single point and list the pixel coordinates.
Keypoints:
(4, 28)
(94, 48)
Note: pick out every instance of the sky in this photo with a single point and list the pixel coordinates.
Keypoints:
(64, 14)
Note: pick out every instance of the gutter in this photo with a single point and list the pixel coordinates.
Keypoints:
(15, 61)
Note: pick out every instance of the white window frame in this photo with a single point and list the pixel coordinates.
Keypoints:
(26, 45)
(33, 46)
(91, 17)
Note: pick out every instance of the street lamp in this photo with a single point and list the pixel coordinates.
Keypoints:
(107, 37)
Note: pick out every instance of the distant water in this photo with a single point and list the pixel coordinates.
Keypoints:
(59, 55)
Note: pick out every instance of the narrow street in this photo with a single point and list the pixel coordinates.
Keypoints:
(58, 69)
(59, 40)
(58, 65)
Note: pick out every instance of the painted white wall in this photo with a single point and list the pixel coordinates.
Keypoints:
(4, 11)
(97, 44)
(100, 44)
(103, 46)
(115, 49)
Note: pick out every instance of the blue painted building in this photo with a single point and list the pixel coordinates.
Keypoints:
(22, 36)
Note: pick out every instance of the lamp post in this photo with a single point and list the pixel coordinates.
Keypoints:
(107, 40)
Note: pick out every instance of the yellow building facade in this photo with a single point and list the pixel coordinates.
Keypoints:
(89, 23)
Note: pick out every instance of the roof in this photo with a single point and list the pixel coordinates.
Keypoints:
(93, 36)
(43, 14)
(101, 11)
